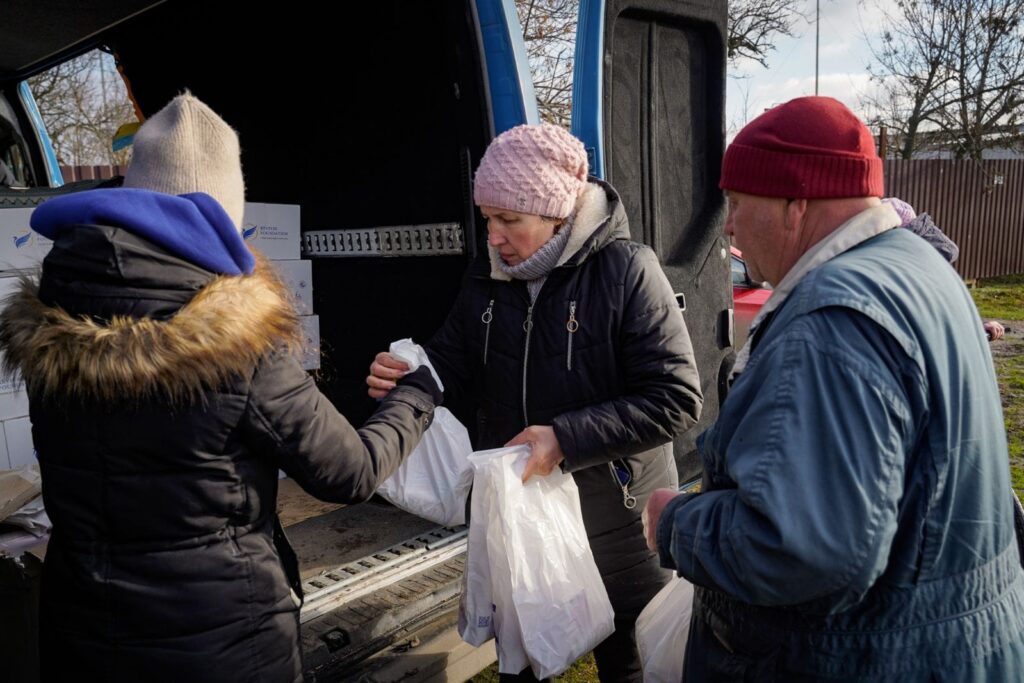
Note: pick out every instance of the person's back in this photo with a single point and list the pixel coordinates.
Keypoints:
(856, 524)
(157, 352)
(947, 567)
(151, 478)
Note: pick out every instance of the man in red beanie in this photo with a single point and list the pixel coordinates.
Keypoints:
(855, 522)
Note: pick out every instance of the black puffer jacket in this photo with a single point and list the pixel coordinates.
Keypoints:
(162, 405)
(619, 387)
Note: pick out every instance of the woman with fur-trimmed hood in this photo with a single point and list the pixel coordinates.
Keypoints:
(164, 396)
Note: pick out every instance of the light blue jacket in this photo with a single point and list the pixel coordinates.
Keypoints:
(856, 522)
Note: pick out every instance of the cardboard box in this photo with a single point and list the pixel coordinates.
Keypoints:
(19, 442)
(298, 276)
(21, 248)
(5, 461)
(18, 488)
(14, 404)
(310, 354)
(273, 229)
(10, 385)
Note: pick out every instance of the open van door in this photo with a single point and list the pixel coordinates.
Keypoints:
(648, 103)
(372, 121)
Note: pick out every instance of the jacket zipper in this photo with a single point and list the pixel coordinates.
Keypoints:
(571, 325)
(527, 327)
(628, 500)
(486, 319)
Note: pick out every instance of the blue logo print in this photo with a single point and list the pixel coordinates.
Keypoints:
(250, 232)
(22, 240)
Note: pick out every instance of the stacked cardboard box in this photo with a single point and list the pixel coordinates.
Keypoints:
(273, 229)
(270, 228)
(21, 250)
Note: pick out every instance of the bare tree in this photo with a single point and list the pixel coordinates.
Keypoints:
(754, 26)
(83, 102)
(912, 73)
(950, 74)
(549, 31)
(988, 64)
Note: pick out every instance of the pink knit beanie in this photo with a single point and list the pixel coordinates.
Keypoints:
(539, 169)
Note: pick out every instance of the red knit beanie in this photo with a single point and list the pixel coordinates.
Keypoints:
(807, 148)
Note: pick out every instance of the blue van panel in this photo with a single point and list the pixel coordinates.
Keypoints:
(587, 83)
(54, 176)
(513, 101)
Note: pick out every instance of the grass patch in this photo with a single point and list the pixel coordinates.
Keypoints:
(1010, 372)
(1001, 297)
(583, 671)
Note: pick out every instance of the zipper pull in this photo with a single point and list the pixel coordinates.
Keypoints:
(629, 501)
(571, 325)
(486, 319)
(528, 323)
(622, 479)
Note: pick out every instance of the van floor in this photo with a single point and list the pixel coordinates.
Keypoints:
(325, 535)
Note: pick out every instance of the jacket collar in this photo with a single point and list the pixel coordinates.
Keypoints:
(221, 333)
(599, 220)
(862, 227)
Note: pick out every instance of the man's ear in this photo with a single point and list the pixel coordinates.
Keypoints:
(796, 211)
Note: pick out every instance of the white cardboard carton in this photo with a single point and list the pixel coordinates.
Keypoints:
(310, 354)
(19, 442)
(298, 277)
(13, 404)
(273, 229)
(20, 247)
(5, 461)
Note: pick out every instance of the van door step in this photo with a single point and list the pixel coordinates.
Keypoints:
(435, 239)
(358, 610)
(336, 587)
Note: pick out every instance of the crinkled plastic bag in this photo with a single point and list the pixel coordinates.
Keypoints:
(662, 630)
(18, 487)
(548, 594)
(476, 608)
(435, 479)
(486, 610)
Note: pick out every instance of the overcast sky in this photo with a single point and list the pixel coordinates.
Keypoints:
(847, 26)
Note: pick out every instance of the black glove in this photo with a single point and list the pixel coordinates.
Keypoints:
(422, 379)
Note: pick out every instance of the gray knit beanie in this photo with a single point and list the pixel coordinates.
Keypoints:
(186, 147)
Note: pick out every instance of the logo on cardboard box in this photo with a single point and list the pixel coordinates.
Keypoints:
(23, 240)
(264, 232)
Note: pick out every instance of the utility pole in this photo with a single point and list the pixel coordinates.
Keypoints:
(817, 41)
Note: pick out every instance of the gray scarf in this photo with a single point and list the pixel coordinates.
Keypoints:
(535, 269)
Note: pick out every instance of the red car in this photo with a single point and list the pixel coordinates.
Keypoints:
(747, 296)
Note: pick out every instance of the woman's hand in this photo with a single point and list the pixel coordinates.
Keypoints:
(384, 370)
(545, 451)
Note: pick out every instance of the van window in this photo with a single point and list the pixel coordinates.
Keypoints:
(549, 32)
(15, 171)
(84, 102)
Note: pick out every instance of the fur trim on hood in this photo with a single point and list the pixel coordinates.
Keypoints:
(591, 214)
(219, 335)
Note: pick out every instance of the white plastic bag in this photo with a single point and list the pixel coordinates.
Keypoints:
(435, 479)
(476, 608)
(662, 630)
(549, 598)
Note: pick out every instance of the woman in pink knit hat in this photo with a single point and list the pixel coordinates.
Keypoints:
(569, 338)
